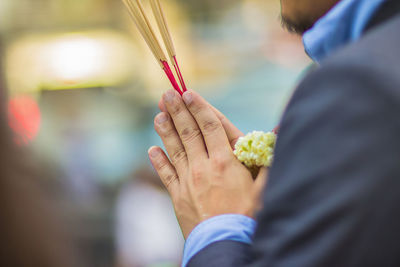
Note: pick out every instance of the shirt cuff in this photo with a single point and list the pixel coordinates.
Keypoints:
(232, 227)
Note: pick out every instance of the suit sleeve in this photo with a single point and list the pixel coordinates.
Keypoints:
(333, 188)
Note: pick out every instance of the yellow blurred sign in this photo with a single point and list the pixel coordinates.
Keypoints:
(70, 60)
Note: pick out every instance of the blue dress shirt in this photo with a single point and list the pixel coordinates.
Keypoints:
(224, 227)
(341, 25)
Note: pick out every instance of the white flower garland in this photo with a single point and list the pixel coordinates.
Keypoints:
(256, 149)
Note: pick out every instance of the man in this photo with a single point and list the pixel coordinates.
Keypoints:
(333, 190)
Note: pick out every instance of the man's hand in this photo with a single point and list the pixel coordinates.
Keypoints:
(202, 175)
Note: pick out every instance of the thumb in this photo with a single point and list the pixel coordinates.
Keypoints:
(258, 188)
(261, 181)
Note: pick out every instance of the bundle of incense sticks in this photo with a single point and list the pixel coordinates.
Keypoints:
(141, 20)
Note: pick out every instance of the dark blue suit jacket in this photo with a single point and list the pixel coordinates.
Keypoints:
(333, 197)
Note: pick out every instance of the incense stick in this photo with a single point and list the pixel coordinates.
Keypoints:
(142, 22)
(142, 30)
(166, 36)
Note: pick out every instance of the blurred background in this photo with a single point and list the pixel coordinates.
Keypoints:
(83, 91)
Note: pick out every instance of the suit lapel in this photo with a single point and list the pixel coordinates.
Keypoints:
(387, 11)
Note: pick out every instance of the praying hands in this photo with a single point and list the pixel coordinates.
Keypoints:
(202, 175)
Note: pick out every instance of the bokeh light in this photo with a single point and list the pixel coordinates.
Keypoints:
(77, 57)
(71, 60)
(24, 118)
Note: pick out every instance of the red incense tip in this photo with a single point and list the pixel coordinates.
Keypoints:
(171, 77)
(178, 71)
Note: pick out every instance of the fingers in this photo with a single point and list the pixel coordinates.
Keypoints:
(232, 132)
(186, 126)
(165, 170)
(211, 127)
(166, 130)
(161, 106)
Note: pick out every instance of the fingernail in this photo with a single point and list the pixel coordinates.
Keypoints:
(154, 152)
(161, 118)
(169, 96)
(187, 98)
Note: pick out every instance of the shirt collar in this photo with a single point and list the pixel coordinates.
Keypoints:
(343, 24)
